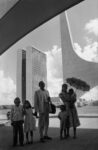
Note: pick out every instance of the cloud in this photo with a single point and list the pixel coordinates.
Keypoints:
(54, 86)
(88, 40)
(54, 70)
(92, 26)
(7, 89)
(78, 48)
(88, 52)
(91, 95)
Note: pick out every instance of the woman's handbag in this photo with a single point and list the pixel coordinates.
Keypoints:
(52, 108)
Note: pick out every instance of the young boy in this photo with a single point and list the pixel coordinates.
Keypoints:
(63, 121)
(17, 122)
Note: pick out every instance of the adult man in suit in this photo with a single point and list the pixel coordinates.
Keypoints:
(41, 104)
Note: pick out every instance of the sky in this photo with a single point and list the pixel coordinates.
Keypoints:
(83, 21)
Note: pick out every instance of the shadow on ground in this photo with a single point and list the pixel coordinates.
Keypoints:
(87, 140)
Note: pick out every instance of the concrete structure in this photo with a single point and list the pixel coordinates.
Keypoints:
(73, 65)
(25, 16)
(21, 74)
(31, 68)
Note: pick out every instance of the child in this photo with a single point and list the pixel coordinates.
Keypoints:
(29, 122)
(64, 96)
(74, 119)
(17, 122)
(63, 121)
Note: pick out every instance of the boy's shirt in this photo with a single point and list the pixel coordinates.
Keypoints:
(17, 113)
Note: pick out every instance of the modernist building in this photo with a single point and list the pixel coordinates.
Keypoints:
(31, 65)
(73, 65)
(31, 68)
(35, 71)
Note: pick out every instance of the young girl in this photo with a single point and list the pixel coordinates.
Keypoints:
(63, 121)
(29, 122)
(74, 119)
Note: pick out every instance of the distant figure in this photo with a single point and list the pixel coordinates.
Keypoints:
(8, 115)
(29, 122)
(41, 104)
(63, 121)
(65, 99)
(74, 119)
(17, 122)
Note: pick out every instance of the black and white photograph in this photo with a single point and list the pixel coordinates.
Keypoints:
(48, 74)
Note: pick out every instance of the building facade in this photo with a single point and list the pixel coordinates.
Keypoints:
(31, 70)
(35, 72)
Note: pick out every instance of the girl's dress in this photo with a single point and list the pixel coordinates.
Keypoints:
(29, 121)
(63, 117)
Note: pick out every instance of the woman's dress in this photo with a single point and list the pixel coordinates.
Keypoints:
(73, 117)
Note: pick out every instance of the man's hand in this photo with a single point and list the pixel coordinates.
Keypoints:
(49, 100)
(12, 123)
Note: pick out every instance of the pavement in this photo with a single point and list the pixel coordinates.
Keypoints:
(87, 137)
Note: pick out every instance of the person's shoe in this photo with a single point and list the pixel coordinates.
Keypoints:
(67, 136)
(42, 140)
(47, 138)
(61, 138)
(74, 137)
(14, 145)
(27, 142)
(21, 144)
(31, 142)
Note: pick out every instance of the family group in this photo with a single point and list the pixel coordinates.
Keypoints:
(23, 120)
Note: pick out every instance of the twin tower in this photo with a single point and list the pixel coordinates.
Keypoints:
(31, 68)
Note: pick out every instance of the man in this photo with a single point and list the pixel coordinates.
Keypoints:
(41, 104)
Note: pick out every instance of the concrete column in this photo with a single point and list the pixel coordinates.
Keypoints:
(29, 77)
(19, 75)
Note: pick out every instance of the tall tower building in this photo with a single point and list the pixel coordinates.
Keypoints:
(35, 71)
(31, 68)
(21, 74)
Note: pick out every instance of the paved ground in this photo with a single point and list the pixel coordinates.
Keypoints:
(87, 137)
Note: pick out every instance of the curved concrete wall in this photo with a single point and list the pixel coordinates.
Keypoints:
(73, 65)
